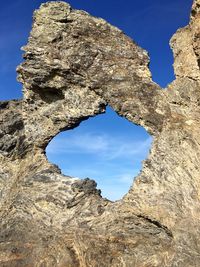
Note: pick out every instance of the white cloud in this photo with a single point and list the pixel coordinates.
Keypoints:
(103, 145)
(126, 178)
(129, 148)
(111, 161)
(87, 143)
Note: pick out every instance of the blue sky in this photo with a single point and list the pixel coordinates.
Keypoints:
(107, 147)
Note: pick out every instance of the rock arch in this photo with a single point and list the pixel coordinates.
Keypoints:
(74, 66)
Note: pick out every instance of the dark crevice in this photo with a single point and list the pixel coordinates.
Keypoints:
(157, 224)
(49, 95)
(4, 104)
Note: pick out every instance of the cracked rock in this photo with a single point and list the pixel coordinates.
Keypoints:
(74, 66)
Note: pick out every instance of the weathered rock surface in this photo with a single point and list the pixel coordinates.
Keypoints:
(74, 66)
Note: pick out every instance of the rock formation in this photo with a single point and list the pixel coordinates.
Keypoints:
(74, 66)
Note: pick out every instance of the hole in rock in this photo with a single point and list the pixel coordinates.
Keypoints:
(106, 148)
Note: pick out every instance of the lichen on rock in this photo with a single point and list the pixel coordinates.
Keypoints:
(75, 65)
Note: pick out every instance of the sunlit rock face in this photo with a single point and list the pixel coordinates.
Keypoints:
(74, 66)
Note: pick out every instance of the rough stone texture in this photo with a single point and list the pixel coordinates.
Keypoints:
(74, 66)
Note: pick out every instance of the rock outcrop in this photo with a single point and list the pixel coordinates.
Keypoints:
(74, 66)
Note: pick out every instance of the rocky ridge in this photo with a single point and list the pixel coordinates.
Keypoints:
(74, 66)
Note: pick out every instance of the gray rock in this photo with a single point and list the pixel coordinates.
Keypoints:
(75, 65)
